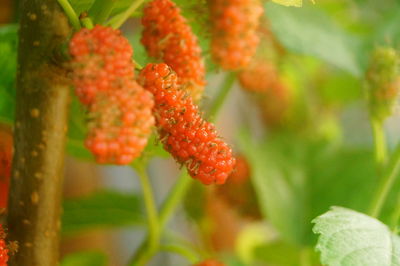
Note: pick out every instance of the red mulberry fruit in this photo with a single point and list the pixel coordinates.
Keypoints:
(120, 118)
(234, 31)
(3, 248)
(168, 36)
(185, 134)
(266, 73)
(210, 262)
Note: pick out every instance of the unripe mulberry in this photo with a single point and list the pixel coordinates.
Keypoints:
(119, 109)
(102, 59)
(6, 151)
(3, 248)
(210, 262)
(191, 140)
(234, 31)
(168, 36)
(383, 82)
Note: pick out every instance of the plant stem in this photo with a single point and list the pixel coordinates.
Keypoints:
(87, 23)
(181, 250)
(386, 183)
(153, 236)
(121, 18)
(42, 104)
(380, 143)
(220, 98)
(101, 10)
(70, 13)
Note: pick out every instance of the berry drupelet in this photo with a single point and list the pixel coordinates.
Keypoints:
(191, 140)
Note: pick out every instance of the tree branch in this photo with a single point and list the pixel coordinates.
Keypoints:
(40, 133)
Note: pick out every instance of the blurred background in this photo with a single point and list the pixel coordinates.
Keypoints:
(297, 118)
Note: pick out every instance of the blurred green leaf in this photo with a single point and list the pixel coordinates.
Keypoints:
(278, 253)
(351, 238)
(310, 31)
(296, 3)
(297, 179)
(86, 258)
(81, 5)
(102, 209)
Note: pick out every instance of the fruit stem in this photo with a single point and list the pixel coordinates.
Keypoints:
(120, 19)
(181, 250)
(87, 23)
(379, 142)
(70, 13)
(221, 96)
(153, 236)
(101, 10)
(386, 183)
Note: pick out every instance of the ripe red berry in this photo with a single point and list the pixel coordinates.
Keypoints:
(119, 109)
(101, 58)
(266, 73)
(210, 262)
(3, 248)
(234, 31)
(6, 148)
(185, 134)
(168, 36)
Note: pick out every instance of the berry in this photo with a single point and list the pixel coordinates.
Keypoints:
(3, 248)
(210, 262)
(234, 31)
(191, 140)
(6, 151)
(383, 82)
(102, 58)
(119, 109)
(168, 36)
(266, 74)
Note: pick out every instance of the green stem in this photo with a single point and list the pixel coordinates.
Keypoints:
(101, 10)
(70, 13)
(87, 23)
(386, 183)
(380, 143)
(153, 236)
(120, 19)
(220, 98)
(181, 250)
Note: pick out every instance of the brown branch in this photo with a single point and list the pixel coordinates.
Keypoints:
(40, 132)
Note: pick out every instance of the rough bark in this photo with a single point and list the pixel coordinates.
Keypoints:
(40, 133)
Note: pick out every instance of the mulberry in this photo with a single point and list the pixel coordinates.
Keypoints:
(3, 248)
(168, 36)
(210, 262)
(119, 109)
(266, 73)
(234, 31)
(185, 134)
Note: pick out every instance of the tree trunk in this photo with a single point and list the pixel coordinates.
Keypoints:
(40, 134)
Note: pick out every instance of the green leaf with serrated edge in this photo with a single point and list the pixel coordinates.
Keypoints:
(350, 238)
(86, 258)
(310, 31)
(102, 209)
(296, 3)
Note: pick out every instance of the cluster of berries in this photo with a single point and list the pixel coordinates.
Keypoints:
(168, 36)
(3, 248)
(119, 108)
(234, 31)
(191, 140)
(6, 150)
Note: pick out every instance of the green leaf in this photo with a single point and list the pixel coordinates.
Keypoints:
(103, 209)
(310, 31)
(296, 3)
(87, 258)
(351, 238)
